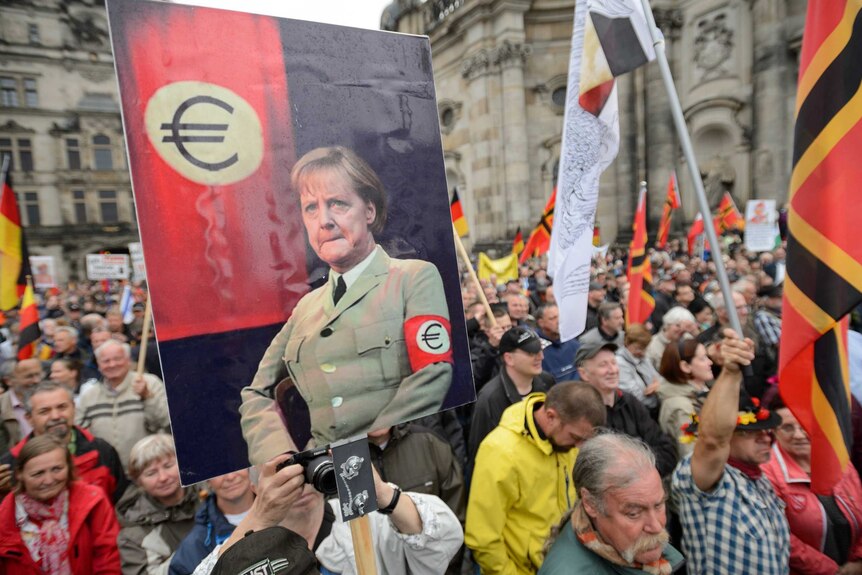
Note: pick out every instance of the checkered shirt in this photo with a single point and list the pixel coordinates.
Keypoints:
(768, 326)
(737, 528)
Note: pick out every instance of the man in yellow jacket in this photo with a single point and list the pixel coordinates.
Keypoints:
(522, 477)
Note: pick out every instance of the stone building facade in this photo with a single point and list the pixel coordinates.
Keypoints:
(60, 123)
(500, 70)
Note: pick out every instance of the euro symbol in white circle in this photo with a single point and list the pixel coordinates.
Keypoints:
(432, 337)
(206, 132)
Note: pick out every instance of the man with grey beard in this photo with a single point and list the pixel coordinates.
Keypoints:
(618, 522)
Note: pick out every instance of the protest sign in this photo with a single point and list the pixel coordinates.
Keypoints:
(213, 137)
(139, 271)
(107, 267)
(761, 225)
(44, 274)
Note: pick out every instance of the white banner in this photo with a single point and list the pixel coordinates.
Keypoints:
(761, 225)
(44, 272)
(107, 267)
(139, 271)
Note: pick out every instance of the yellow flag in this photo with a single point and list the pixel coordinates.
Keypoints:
(505, 268)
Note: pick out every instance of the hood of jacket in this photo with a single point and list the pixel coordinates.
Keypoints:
(519, 418)
(138, 508)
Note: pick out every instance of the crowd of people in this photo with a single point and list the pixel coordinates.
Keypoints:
(639, 448)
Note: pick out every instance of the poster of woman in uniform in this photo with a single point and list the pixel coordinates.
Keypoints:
(290, 187)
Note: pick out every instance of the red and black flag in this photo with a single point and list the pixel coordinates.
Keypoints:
(641, 302)
(14, 260)
(540, 238)
(458, 219)
(728, 216)
(29, 334)
(824, 255)
(671, 203)
(518, 243)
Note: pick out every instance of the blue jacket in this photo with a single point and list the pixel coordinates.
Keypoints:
(211, 528)
(559, 358)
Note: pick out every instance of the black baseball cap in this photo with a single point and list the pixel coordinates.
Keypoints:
(272, 550)
(590, 350)
(520, 338)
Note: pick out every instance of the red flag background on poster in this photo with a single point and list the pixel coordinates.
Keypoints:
(236, 224)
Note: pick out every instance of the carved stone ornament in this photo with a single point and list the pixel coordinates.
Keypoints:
(713, 46)
(506, 54)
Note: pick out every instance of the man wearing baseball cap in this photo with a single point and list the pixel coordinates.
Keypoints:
(597, 366)
(521, 374)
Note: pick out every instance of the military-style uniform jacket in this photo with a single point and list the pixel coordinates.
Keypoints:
(381, 356)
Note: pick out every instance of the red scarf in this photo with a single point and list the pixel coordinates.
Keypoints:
(53, 544)
(751, 470)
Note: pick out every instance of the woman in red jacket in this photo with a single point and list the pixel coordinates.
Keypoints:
(52, 524)
(825, 531)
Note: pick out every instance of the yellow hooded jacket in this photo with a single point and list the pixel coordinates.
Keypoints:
(521, 487)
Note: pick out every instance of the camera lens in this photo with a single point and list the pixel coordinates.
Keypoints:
(321, 474)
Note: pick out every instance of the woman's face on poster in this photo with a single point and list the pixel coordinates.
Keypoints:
(336, 219)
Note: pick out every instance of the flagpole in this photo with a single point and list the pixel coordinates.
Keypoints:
(688, 151)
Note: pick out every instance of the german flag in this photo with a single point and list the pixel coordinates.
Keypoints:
(518, 242)
(540, 238)
(824, 256)
(728, 216)
(30, 334)
(458, 219)
(14, 260)
(641, 302)
(597, 235)
(671, 202)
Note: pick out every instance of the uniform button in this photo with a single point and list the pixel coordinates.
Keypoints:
(337, 401)
(387, 341)
(327, 368)
(327, 331)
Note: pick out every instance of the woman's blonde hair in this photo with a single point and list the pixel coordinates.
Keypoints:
(354, 169)
(150, 449)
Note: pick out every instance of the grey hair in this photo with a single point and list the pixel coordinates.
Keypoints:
(149, 449)
(67, 329)
(607, 462)
(43, 387)
(127, 349)
(676, 315)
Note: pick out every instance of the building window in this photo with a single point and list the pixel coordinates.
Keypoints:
(558, 96)
(31, 96)
(25, 154)
(30, 208)
(79, 203)
(8, 92)
(102, 157)
(33, 34)
(73, 153)
(133, 212)
(108, 206)
(6, 152)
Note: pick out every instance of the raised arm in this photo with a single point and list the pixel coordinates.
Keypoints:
(719, 413)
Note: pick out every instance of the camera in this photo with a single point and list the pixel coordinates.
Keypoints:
(317, 467)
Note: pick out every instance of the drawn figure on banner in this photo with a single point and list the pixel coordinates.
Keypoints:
(370, 348)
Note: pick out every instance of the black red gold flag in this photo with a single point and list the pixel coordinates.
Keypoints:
(641, 302)
(824, 255)
(30, 334)
(540, 238)
(458, 219)
(14, 259)
(518, 242)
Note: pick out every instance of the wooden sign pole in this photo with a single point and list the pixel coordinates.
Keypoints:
(363, 546)
(145, 336)
(459, 246)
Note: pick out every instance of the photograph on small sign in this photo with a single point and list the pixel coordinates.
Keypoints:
(294, 214)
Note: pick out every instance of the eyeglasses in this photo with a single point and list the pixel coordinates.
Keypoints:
(791, 428)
